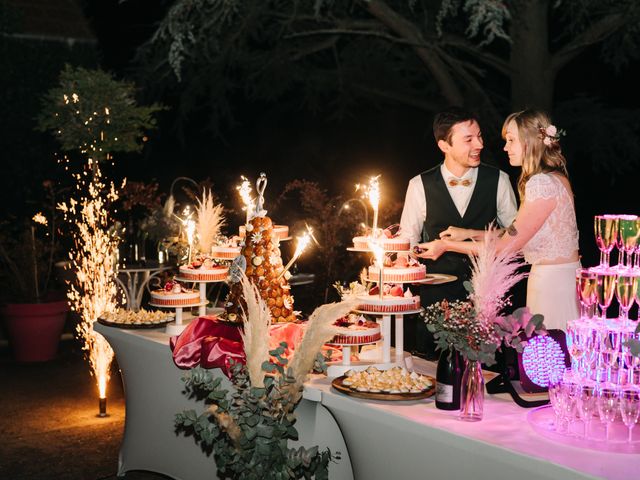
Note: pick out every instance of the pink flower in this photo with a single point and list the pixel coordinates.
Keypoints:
(551, 131)
(546, 141)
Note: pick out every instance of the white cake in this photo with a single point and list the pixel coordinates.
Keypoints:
(225, 252)
(175, 295)
(355, 330)
(392, 274)
(388, 304)
(214, 273)
(398, 244)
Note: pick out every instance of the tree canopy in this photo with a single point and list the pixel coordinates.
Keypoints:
(328, 55)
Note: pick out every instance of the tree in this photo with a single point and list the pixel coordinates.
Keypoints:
(493, 56)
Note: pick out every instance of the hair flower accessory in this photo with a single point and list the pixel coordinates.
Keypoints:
(551, 134)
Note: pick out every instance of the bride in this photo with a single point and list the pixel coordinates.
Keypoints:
(545, 228)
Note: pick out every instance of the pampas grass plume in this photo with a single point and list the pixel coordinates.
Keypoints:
(320, 329)
(210, 220)
(257, 319)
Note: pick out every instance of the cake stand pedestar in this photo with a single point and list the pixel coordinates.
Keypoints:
(176, 328)
(202, 311)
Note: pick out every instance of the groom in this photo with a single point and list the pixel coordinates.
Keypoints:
(459, 192)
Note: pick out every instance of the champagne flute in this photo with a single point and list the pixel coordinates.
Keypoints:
(607, 405)
(628, 232)
(587, 400)
(555, 398)
(631, 362)
(606, 232)
(586, 287)
(605, 288)
(626, 291)
(630, 407)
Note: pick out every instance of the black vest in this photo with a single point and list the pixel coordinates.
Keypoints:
(442, 213)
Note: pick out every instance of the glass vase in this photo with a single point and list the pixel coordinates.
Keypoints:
(472, 392)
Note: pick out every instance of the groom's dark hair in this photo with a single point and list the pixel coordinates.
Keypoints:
(444, 121)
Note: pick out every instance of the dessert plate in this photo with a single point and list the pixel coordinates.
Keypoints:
(394, 397)
(131, 325)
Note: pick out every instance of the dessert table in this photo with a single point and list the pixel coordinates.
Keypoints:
(376, 440)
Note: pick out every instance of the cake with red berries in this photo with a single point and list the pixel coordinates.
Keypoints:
(175, 295)
(204, 270)
(401, 270)
(354, 329)
(395, 244)
(394, 300)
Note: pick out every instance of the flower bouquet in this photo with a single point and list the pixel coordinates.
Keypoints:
(476, 327)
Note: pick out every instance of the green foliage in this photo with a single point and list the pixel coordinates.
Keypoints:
(94, 113)
(248, 429)
(456, 325)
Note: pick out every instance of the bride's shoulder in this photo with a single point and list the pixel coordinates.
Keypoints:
(540, 185)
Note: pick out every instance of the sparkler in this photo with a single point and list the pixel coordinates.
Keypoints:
(245, 193)
(302, 243)
(374, 198)
(372, 192)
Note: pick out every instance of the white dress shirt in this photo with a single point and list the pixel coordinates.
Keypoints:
(414, 212)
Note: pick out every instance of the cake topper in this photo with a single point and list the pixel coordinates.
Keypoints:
(261, 185)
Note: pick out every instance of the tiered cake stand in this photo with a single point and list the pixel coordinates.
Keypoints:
(176, 328)
(382, 356)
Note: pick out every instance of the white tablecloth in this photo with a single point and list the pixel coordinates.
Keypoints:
(377, 440)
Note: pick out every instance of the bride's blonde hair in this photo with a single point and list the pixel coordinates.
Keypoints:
(538, 155)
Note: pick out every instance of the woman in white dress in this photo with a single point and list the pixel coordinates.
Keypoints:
(545, 228)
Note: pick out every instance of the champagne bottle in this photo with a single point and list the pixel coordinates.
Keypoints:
(448, 378)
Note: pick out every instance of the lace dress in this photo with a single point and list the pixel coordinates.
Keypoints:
(551, 288)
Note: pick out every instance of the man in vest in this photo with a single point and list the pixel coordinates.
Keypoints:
(459, 192)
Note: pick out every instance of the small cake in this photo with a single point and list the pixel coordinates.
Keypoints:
(355, 330)
(397, 244)
(140, 318)
(225, 252)
(394, 300)
(204, 271)
(175, 295)
(401, 270)
(280, 231)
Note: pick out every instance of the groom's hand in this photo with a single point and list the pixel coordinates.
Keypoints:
(429, 250)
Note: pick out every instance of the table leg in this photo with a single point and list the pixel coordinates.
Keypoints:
(346, 355)
(386, 339)
(202, 309)
(399, 319)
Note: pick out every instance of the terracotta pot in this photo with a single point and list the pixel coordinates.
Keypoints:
(35, 328)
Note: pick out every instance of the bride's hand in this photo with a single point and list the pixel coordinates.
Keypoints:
(456, 234)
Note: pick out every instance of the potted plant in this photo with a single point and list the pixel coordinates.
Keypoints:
(34, 315)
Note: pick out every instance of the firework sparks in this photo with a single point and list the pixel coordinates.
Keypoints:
(245, 193)
(93, 258)
(302, 244)
(40, 218)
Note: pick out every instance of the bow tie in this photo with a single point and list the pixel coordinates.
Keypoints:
(465, 183)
